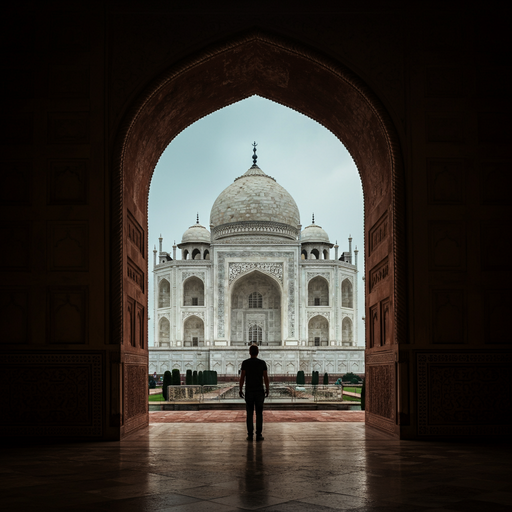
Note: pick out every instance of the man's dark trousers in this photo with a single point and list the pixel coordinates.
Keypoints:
(254, 399)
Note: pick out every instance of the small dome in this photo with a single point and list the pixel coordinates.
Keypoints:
(314, 234)
(255, 196)
(196, 234)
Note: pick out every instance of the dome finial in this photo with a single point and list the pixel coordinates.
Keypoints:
(197, 221)
(313, 218)
(254, 156)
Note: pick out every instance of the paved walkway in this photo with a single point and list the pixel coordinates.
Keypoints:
(268, 416)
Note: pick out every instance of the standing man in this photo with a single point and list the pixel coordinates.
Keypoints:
(254, 372)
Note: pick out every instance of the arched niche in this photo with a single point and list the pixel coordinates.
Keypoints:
(347, 294)
(313, 84)
(196, 254)
(164, 294)
(318, 331)
(193, 332)
(164, 332)
(347, 332)
(318, 292)
(193, 292)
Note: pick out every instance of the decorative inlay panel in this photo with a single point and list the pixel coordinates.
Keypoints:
(15, 235)
(378, 233)
(325, 314)
(135, 233)
(68, 81)
(68, 315)
(67, 181)
(186, 314)
(186, 275)
(494, 177)
(451, 398)
(379, 273)
(380, 389)
(253, 227)
(444, 128)
(447, 245)
(135, 274)
(235, 270)
(444, 82)
(446, 181)
(66, 402)
(311, 275)
(68, 246)
(497, 307)
(495, 239)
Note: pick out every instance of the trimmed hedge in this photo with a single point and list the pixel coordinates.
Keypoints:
(314, 378)
(326, 379)
(188, 378)
(167, 382)
(194, 377)
(301, 379)
(176, 378)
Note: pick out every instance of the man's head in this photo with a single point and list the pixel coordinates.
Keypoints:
(253, 350)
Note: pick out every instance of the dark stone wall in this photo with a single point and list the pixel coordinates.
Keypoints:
(420, 98)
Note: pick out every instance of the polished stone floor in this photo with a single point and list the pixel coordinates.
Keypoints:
(298, 467)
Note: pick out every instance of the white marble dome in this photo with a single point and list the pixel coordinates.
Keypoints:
(314, 234)
(254, 197)
(196, 234)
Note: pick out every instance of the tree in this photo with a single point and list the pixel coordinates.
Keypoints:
(176, 378)
(152, 383)
(326, 379)
(167, 382)
(301, 378)
(351, 377)
(188, 378)
(314, 378)
(194, 377)
(200, 378)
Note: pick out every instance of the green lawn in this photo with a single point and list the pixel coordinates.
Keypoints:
(352, 389)
(156, 398)
(348, 398)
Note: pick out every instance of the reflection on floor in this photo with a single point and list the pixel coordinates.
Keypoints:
(298, 467)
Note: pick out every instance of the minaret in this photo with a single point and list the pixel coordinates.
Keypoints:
(160, 240)
(355, 256)
(350, 247)
(174, 250)
(154, 257)
(336, 250)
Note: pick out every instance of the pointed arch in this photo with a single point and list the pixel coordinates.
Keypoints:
(347, 332)
(347, 294)
(318, 291)
(318, 331)
(164, 294)
(164, 332)
(193, 292)
(196, 254)
(193, 331)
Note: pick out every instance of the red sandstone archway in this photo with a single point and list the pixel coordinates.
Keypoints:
(308, 83)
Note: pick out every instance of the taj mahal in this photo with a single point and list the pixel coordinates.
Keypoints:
(256, 277)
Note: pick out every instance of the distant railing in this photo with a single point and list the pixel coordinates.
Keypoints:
(285, 392)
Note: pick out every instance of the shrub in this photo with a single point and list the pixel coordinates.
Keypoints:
(176, 377)
(314, 378)
(200, 378)
(301, 378)
(326, 379)
(167, 382)
(351, 377)
(214, 375)
(194, 377)
(188, 378)
(152, 383)
(363, 395)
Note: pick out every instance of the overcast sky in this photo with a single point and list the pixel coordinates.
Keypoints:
(304, 157)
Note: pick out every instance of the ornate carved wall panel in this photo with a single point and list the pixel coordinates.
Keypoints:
(17, 128)
(68, 315)
(16, 186)
(66, 81)
(67, 400)
(68, 246)
(495, 239)
(379, 273)
(135, 392)
(452, 399)
(14, 315)
(494, 128)
(378, 233)
(447, 245)
(386, 322)
(446, 181)
(68, 181)
(449, 316)
(135, 274)
(380, 385)
(375, 338)
(68, 127)
(135, 233)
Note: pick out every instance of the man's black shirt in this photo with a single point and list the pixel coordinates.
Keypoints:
(254, 369)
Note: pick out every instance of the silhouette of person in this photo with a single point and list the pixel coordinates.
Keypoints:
(254, 372)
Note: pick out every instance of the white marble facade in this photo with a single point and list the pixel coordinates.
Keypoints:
(255, 277)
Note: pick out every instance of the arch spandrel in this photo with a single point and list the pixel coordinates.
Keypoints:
(311, 84)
